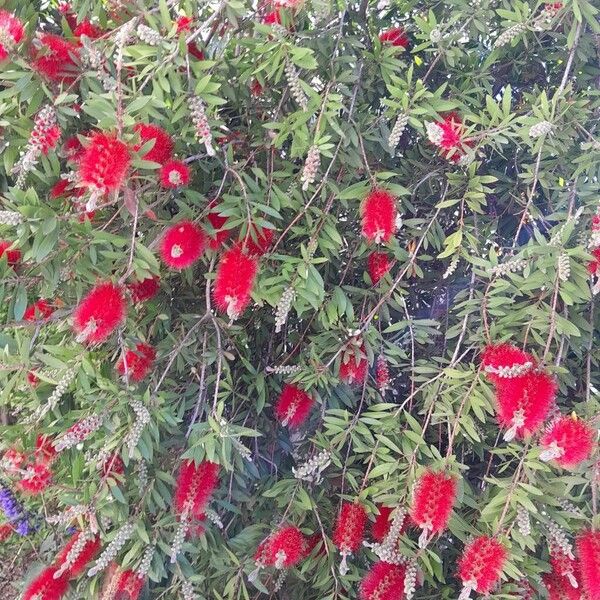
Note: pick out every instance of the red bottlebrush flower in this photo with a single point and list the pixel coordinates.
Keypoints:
(182, 245)
(46, 587)
(72, 148)
(588, 550)
(163, 144)
(13, 460)
(128, 586)
(524, 402)
(86, 554)
(564, 565)
(113, 465)
(145, 289)
(11, 32)
(104, 163)
(354, 366)
(502, 361)
(383, 522)
(448, 136)
(433, 499)
(49, 139)
(37, 311)
(350, 527)
(568, 442)
(382, 373)
(379, 266)
(258, 241)
(594, 264)
(481, 564)
(384, 581)
(12, 256)
(184, 23)
(285, 547)
(396, 36)
(234, 281)
(559, 588)
(196, 52)
(272, 18)
(99, 313)
(293, 406)
(139, 362)
(195, 485)
(60, 189)
(379, 216)
(174, 174)
(256, 89)
(6, 531)
(54, 58)
(88, 29)
(217, 222)
(37, 478)
(32, 378)
(44, 450)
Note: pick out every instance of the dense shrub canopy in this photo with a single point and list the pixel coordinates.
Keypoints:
(258, 265)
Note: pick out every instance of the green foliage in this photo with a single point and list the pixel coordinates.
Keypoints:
(211, 393)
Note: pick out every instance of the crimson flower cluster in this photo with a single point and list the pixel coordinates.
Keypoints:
(293, 406)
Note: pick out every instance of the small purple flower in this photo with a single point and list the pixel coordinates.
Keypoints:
(14, 512)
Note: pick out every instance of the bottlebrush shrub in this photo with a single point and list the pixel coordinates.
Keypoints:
(293, 406)
(437, 293)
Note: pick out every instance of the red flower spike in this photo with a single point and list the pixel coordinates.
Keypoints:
(379, 216)
(45, 587)
(87, 553)
(6, 531)
(434, 496)
(503, 361)
(182, 245)
(235, 278)
(32, 378)
(145, 289)
(13, 460)
(128, 586)
(60, 189)
(174, 174)
(569, 441)
(72, 148)
(354, 368)
(379, 266)
(38, 311)
(293, 406)
(87, 28)
(44, 450)
(113, 465)
(163, 144)
(559, 588)
(594, 264)
(11, 32)
(217, 222)
(54, 58)
(481, 564)
(37, 478)
(523, 403)
(272, 18)
(13, 257)
(262, 243)
(382, 373)
(448, 136)
(396, 36)
(383, 522)
(588, 551)
(384, 581)
(195, 485)
(564, 565)
(285, 547)
(184, 23)
(99, 313)
(194, 50)
(139, 362)
(104, 163)
(350, 527)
